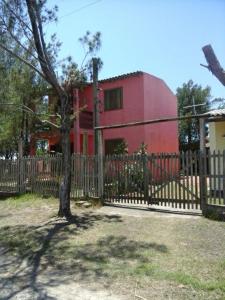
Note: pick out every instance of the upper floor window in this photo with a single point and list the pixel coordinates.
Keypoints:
(113, 99)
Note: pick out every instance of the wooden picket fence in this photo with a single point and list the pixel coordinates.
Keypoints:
(43, 175)
(189, 180)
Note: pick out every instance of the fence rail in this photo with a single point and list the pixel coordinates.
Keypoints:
(187, 180)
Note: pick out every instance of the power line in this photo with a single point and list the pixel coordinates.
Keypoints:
(79, 9)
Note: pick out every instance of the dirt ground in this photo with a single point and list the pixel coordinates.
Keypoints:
(108, 253)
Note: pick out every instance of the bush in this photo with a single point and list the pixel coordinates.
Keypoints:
(215, 213)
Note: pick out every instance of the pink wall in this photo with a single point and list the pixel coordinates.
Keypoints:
(133, 109)
(160, 102)
(145, 97)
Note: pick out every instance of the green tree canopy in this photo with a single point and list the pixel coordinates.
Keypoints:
(19, 86)
(192, 99)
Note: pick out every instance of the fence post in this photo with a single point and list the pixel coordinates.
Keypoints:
(100, 166)
(202, 179)
(223, 193)
(146, 177)
(21, 177)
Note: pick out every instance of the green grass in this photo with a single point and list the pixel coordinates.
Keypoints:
(29, 200)
(115, 250)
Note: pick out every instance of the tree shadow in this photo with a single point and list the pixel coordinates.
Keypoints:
(37, 257)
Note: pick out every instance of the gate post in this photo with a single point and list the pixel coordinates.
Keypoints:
(202, 166)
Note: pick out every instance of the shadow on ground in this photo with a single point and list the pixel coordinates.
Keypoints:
(33, 258)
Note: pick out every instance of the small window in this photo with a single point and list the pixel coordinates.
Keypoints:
(112, 145)
(113, 99)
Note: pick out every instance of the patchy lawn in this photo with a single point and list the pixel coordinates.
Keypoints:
(107, 253)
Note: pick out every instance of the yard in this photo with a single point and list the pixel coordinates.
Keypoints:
(107, 253)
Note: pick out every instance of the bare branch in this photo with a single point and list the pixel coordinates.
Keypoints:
(205, 66)
(23, 60)
(84, 59)
(16, 16)
(76, 113)
(16, 40)
(213, 63)
(23, 24)
(50, 123)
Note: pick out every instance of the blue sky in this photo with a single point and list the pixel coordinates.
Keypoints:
(160, 37)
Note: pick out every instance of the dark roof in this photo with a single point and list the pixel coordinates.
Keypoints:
(137, 73)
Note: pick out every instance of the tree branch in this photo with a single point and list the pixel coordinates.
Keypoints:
(23, 60)
(16, 40)
(205, 66)
(50, 123)
(76, 113)
(16, 16)
(213, 63)
(41, 51)
(27, 109)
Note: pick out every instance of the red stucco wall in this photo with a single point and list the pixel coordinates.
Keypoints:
(160, 102)
(145, 97)
(133, 109)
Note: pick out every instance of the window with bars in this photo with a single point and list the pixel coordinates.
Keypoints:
(113, 99)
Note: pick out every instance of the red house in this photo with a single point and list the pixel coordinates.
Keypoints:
(130, 97)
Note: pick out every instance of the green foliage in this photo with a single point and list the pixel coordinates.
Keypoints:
(22, 86)
(132, 171)
(19, 85)
(187, 95)
(91, 44)
(122, 148)
(142, 149)
(215, 213)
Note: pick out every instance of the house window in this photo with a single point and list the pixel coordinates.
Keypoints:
(113, 99)
(112, 145)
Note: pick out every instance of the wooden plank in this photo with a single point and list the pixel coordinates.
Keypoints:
(154, 121)
(219, 177)
(183, 180)
(214, 177)
(176, 166)
(224, 177)
(168, 162)
(209, 195)
(187, 156)
(137, 165)
(192, 178)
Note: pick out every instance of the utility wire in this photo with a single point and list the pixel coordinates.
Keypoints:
(79, 9)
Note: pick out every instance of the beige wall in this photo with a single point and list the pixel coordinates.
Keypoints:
(216, 133)
(217, 143)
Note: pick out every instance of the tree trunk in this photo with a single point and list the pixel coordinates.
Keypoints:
(213, 63)
(65, 186)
